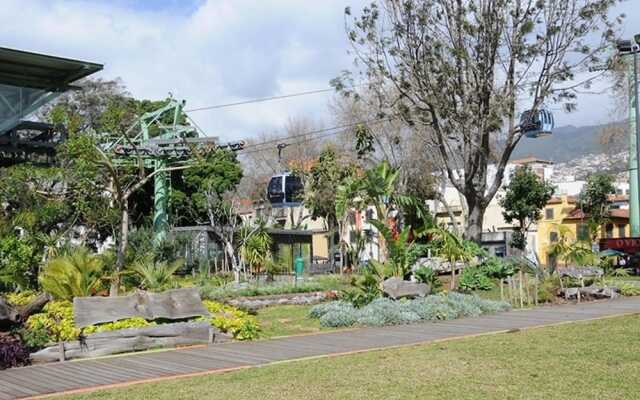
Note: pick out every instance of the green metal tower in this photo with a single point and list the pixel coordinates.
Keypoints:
(634, 207)
(163, 142)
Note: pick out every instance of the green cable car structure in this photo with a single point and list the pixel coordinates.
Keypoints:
(163, 143)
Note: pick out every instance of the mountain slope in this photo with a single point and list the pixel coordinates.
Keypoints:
(565, 144)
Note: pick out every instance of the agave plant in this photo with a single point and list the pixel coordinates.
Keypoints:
(79, 273)
(156, 276)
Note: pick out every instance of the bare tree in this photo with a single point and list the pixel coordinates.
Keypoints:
(458, 69)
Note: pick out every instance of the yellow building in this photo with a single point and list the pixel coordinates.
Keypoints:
(562, 212)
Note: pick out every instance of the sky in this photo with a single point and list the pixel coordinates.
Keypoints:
(212, 52)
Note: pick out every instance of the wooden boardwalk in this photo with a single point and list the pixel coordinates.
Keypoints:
(46, 379)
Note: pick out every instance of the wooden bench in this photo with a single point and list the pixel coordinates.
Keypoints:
(177, 304)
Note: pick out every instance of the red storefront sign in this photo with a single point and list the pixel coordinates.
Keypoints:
(626, 245)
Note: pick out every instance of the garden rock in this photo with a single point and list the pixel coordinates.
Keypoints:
(397, 288)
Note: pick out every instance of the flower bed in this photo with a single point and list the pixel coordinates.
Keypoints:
(384, 311)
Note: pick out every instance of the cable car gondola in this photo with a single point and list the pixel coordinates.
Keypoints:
(285, 190)
(537, 123)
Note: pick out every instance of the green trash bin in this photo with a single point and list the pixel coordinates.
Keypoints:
(298, 266)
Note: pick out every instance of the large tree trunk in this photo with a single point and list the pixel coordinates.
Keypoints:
(122, 249)
(11, 315)
(473, 228)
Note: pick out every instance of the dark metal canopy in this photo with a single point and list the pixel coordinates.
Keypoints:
(40, 71)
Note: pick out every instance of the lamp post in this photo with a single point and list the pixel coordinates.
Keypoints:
(629, 47)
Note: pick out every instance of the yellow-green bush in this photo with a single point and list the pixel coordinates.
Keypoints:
(20, 298)
(229, 319)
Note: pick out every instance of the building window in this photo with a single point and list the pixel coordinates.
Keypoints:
(583, 232)
(619, 191)
(609, 230)
(548, 213)
(621, 231)
(553, 237)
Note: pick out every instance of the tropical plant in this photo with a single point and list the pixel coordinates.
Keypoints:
(451, 247)
(156, 276)
(399, 248)
(364, 288)
(256, 250)
(429, 276)
(77, 274)
(561, 247)
(498, 269)
(474, 278)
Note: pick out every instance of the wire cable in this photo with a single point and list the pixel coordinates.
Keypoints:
(263, 99)
(260, 100)
(284, 139)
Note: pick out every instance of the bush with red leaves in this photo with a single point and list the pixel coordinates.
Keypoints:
(13, 353)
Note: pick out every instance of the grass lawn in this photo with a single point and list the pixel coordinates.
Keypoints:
(584, 360)
(286, 320)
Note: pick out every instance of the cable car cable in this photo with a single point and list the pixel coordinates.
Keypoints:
(263, 99)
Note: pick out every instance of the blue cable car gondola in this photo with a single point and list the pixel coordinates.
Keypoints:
(537, 124)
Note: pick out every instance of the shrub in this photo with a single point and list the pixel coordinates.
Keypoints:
(390, 312)
(496, 268)
(18, 261)
(220, 293)
(427, 275)
(156, 276)
(13, 352)
(629, 289)
(319, 310)
(77, 274)
(548, 289)
(240, 324)
(20, 298)
(385, 312)
(474, 278)
(338, 318)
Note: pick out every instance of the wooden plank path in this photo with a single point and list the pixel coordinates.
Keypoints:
(74, 376)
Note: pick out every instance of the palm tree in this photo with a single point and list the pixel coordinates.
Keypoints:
(77, 274)
(156, 276)
(256, 249)
(452, 248)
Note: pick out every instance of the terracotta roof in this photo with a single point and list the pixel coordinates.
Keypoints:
(577, 214)
(531, 160)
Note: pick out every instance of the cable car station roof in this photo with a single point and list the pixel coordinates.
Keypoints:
(40, 71)
(27, 82)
